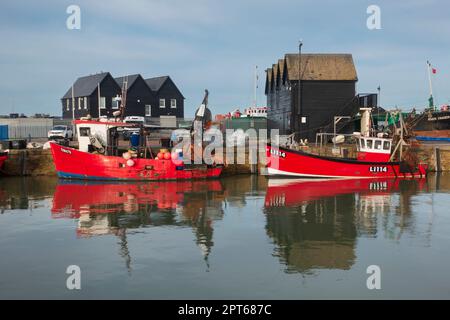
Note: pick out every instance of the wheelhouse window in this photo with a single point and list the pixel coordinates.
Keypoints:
(148, 110)
(162, 103)
(173, 103)
(85, 132)
(369, 143)
(363, 143)
(387, 145)
(378, 144)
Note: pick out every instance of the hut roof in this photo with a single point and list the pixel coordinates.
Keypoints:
(85, 86)
(321, 67)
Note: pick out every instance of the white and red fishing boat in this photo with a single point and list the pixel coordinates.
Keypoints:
(373, 160)
(101, 156)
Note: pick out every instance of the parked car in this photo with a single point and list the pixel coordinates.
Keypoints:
(127, 132)
(60, 132)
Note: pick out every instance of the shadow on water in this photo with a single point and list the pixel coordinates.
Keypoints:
(313, 224)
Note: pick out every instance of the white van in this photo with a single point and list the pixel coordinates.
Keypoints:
(127, 132)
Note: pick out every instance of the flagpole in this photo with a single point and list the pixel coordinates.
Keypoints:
(431, 85)
(378, 105)
(73, 105)
(99, 100)
(255, 99)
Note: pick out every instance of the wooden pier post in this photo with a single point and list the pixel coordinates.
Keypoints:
(437, 159)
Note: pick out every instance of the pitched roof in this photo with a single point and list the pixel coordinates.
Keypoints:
(268, 79)
(321, 67)
(85, 86)
(280, 71)
(156, 83)
(274, 75)
(131, 79)
(281, 66)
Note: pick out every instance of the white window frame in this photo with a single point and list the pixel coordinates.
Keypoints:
(163, 104)
(67, 105)
(85, 103)
(102, 102)
(148, 107)
(79, 103)
(173, 105)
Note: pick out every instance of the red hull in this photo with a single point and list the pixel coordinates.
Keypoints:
(74, 164)
(282, 161)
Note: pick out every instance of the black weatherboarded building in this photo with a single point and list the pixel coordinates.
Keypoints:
(154, 97)
(168, 98)
(86, 93)
(327, 89)
(140, 98)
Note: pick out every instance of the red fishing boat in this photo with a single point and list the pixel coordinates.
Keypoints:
(373, 160)
(100, 158)
(101, 154)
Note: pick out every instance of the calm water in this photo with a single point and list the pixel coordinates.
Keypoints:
(240, 237)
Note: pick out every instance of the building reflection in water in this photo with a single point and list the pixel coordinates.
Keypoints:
(315, 223)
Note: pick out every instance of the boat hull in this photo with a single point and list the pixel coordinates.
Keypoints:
(287, 162)
(74, 164)
(435, 121)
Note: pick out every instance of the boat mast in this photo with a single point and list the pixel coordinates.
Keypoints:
(73, 105)
(99, 100)
(123, 101)
(255, 87)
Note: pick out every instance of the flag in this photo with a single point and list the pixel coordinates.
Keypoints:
(433, 70)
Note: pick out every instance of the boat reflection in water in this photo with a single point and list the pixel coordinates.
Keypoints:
(113, 207)
(315, 223)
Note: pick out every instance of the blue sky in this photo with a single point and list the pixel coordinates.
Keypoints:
(216, 45)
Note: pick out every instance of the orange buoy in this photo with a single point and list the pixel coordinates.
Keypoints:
(167, 156)
(160, 155)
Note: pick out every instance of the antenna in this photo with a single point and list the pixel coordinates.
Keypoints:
(299, 111)
(255, 87)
